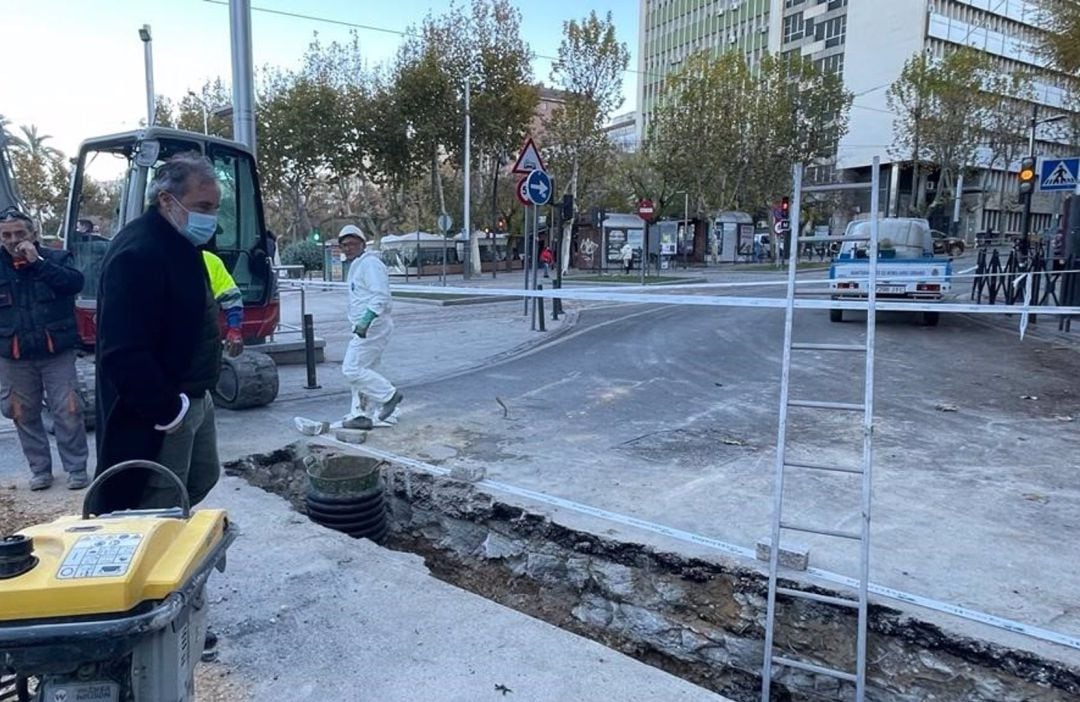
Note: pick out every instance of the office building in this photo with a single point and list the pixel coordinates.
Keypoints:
(867, 42)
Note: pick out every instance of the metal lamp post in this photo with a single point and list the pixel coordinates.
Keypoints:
(500, 162)
(148, 58)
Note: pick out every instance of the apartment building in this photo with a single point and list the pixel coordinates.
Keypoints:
(672, 30)
(867, 42)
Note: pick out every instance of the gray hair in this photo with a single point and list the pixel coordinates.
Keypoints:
(177, 174)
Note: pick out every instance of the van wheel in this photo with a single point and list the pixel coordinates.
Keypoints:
(930, 319)
(836, 315)
(955, 250)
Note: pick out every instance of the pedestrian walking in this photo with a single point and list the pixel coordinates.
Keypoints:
(547, 259)
(371, 325)
(37, 350)
(627, 255)
(159, 344)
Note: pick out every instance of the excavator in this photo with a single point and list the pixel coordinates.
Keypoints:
(108, 190)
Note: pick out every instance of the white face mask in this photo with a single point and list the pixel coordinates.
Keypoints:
(200, 227)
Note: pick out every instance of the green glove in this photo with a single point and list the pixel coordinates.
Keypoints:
(365, 321)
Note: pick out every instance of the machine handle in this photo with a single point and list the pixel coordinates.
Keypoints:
(185, 500)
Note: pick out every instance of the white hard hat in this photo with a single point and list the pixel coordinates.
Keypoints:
(352, 230)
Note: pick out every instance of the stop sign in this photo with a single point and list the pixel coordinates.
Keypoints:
(645, 209)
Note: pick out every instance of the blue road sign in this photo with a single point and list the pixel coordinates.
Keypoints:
(1059, 174)
(538, 184)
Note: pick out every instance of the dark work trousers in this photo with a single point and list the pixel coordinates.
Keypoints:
(190, 452)
(27, 384)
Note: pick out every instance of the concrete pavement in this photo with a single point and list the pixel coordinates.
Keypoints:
(309, 614)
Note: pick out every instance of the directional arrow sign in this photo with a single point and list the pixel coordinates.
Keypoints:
(529, 160)
(538, 184)
(1058, 174)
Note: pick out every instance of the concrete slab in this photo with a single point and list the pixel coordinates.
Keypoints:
(315, 615)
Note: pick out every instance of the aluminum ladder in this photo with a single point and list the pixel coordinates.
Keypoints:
(780, 525)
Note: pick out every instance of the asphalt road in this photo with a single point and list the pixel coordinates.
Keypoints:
(670, 414)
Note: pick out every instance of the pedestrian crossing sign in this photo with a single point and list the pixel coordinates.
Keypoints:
(1059, 174)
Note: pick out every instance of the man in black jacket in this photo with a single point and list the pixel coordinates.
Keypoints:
(37, 356)
(158, 341)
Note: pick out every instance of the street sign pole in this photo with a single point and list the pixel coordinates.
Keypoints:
(645, 212)
(531, 271)
(525, 260)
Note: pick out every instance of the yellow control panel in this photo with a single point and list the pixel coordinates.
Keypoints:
(108, 565)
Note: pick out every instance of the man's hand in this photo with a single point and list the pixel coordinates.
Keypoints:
(27, 250)
(234, 342)
(361, 327)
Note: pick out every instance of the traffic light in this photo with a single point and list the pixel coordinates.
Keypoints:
(567, 207)
(1027, 175)
(785, 207)
(500, 226)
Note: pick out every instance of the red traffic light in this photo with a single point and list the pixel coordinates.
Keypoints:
(785, 205)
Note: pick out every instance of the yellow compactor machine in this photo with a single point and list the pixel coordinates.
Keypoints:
(111, 607)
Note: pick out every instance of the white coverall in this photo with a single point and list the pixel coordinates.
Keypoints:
(369, 289)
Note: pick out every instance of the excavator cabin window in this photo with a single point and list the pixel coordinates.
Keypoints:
(111, 190)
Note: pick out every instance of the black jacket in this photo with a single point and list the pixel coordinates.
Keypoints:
(157, 336)
(37, 305)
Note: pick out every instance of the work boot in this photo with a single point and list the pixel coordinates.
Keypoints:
(209, 652)
(77, 480)
(41, 481)
(390, 405)
(360, 422)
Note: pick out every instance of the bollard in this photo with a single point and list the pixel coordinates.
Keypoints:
(540, 309)
(309, 352)
(556, 304)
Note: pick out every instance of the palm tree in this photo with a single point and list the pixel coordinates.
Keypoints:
(33, 144)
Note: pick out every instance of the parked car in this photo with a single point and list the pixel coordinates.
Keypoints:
(945, 244)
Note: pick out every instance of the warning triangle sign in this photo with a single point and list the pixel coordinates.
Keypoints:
(529, 160)
(1061, 175)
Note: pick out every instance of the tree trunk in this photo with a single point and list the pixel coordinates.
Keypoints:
(568, 227)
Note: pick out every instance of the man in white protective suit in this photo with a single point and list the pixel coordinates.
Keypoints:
(369, 318)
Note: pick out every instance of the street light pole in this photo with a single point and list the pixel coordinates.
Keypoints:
(468, 185)
(500, 161)
(148, 59)
(686, 227)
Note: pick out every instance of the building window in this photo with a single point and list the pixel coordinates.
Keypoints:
(831, 31)
(793, 27)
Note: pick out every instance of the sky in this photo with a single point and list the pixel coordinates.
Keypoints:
(74, 68)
